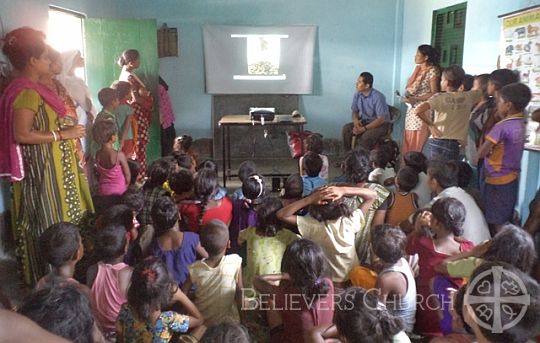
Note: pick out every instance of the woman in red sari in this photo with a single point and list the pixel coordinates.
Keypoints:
(422, 85)
(142, 103)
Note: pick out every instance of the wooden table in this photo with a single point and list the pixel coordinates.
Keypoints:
(229, 120)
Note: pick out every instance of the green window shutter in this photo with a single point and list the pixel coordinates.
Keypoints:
(448, 33)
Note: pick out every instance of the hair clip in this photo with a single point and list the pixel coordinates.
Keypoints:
(259, 180)
(149, 274)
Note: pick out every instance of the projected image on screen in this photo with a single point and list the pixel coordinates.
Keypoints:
(258, 59)
(263, 54)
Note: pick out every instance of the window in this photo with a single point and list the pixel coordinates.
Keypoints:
(448, 33)
(65, 32)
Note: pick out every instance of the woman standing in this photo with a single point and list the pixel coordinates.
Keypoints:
(36, 152)
(50, 81)
(77, 89)
(142, 103)
(422, 85)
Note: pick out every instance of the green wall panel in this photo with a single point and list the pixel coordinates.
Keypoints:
(105, 39)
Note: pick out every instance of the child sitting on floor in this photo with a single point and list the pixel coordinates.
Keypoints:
(124, 216)
(177, 249)
(312, 165)
(245, 210)
(501, 248)
(245, 169)
(218, 278)
(221, 191)
(360, 317)
(383, 173)
(418, 162)
(181, 184)
(195, 215)
(63, 309)
(109, 279)
(302, 277)
(332, 224)
(158, 173)
(266, 242)
(183, 144)
(61, 245)
(396, 284)
(434, 239)
(314, 144)
(402, 202)
(141, 319)
(292, 189)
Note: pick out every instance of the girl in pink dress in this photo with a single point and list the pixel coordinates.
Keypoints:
(111, 165)
(109, 278)
(436, 237)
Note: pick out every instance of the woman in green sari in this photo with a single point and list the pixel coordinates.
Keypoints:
(37, 152)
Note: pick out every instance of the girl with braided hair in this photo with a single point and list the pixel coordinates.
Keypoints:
(195, 215)
(151, 289)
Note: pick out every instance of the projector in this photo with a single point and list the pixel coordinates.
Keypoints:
(262, 114)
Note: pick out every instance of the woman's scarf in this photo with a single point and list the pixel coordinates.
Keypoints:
(75, 86)
(11, 163)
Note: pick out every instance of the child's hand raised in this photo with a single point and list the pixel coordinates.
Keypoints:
(331, 193)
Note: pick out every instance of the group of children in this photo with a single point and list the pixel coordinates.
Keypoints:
(371, 257)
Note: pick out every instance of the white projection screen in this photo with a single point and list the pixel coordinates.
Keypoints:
(259, 59)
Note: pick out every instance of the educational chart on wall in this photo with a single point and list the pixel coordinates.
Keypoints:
(520, 51)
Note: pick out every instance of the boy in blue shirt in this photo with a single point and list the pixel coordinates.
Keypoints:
(312, 165)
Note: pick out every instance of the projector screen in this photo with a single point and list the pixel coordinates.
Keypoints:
(258, 59)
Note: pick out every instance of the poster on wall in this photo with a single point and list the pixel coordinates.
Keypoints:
(520, 51)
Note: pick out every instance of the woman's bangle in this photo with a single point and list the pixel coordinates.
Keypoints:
(60, 135)
(55, 137)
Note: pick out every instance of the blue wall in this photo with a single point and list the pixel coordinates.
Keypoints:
(353, 36)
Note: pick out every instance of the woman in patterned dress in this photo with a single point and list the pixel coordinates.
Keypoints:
(56, 86)
(142, 103)
(423, 83)
(37, 152)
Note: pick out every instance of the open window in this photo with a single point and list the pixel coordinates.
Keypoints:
(65, 32)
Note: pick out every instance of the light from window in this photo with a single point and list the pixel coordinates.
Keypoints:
(65, 32)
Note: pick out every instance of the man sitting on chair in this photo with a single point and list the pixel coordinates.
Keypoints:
(370, 115)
